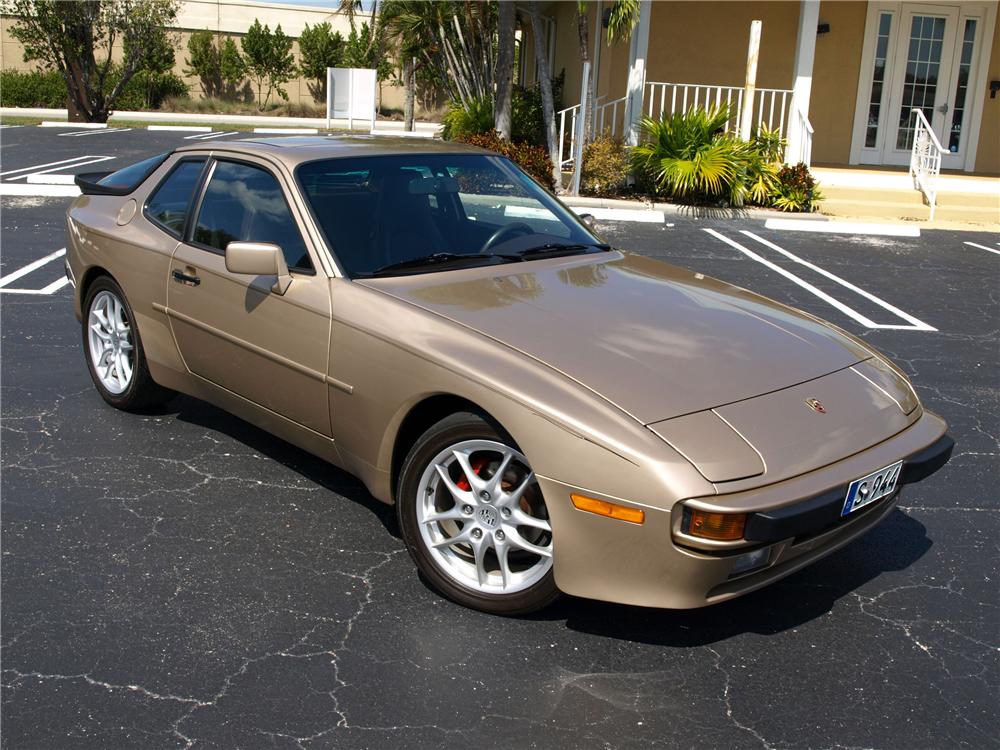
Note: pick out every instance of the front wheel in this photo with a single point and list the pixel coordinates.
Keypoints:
(474, 520)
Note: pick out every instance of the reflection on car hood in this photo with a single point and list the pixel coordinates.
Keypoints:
(656, 340)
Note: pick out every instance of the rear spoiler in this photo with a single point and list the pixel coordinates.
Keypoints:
(88, 184)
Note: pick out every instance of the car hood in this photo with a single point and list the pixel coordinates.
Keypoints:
(655, 340)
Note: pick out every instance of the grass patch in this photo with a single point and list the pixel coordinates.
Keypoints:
(19, 120)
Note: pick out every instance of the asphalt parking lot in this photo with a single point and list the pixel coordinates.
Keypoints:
(181, 579)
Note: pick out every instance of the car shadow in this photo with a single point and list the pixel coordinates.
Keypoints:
(812, 592)
(806, 595)
(326, 475)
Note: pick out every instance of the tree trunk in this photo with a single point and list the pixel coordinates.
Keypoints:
(409, 84)
(505, 68)
(544, 76)
(581, 25)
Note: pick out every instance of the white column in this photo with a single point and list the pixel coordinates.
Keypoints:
(638, 49)
(805, 53)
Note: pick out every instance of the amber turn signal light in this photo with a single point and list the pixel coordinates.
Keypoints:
(722, 527)
(603, 508)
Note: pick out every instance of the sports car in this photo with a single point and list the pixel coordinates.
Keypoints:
(549, 414)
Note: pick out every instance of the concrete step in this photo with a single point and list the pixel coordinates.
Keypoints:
(907, 209)
(911, 197)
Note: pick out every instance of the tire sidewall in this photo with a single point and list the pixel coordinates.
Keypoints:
(126, 398)
(455, 429)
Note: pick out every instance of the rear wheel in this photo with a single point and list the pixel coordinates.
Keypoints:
(474, 520)
(114, 352)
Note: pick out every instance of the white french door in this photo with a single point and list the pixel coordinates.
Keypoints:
(920, 56)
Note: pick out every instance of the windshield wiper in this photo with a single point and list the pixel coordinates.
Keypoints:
(556, 248)
(432, 260)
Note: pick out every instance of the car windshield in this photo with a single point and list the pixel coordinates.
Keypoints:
(416, 213)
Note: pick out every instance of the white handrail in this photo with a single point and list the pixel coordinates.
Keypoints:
(665, 99)
(800, 141)
(608, 116)
(925, 158)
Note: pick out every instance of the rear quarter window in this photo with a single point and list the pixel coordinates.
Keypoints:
(130, 177)
(169, 204)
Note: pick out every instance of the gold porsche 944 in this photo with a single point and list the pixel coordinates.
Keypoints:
(548, 413)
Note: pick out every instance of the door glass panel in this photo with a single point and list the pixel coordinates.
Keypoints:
(878, 79)
(168, 206)
(962, 85)
(923, 63)
(245, 203)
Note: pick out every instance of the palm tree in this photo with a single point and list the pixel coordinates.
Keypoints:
(505, 66)
(544, 76)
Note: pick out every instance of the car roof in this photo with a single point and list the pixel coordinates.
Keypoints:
(294, 150)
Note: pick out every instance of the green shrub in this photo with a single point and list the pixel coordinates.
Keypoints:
(532, 159)
(36, 88)
(461, 122)
(605, 167)
(796, 189)
(527, 121)
(148, 90)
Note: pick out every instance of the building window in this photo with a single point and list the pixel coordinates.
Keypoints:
(962, 86)
(923, 64)
(878, 79)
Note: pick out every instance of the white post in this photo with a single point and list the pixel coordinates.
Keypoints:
(753, 52)
(598, 26)
(638, 49)
(329, 97)
(581, 130)
(350, 101)
(805, 53)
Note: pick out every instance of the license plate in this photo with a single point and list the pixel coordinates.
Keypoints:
(868, 489)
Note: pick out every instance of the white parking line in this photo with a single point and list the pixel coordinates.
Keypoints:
(983, 247)
(80, 161)
(38, 191)
(917, 325)
(41, 166)
(95, 132)
(51, 179)
(33, 266)
(215, 134)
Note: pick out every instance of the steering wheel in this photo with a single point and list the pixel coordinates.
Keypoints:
(502, 232)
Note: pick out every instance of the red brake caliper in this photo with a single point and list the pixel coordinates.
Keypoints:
(477, 466)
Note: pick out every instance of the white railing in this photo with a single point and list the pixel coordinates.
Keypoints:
(925, 159)
(665, 99)
(608, 116)
(800, 143)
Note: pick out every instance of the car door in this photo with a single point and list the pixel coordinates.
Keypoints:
(233, 329)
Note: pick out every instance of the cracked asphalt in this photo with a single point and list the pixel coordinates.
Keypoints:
(181, 579)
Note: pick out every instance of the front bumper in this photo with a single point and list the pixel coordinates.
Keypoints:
(796, 520)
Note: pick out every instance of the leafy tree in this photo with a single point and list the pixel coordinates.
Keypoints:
(71, 37)
(319, 48)
(269, 61)
(203, 61)
(232, 68)
(217, 64)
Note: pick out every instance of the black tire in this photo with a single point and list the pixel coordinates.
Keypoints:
(448, 432)
(142, 392)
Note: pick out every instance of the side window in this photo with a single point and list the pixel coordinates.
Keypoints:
(245, 203)
(168, 205)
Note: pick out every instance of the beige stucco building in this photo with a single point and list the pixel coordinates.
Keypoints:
(854, 69)
(233, 18)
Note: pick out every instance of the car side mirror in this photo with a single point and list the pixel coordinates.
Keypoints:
(259, 259)
(589, 220)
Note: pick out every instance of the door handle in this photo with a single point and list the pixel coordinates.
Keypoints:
(943, 109)
(184, 278)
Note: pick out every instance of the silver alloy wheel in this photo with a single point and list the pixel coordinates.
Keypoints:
(482, 519)
(110, 338)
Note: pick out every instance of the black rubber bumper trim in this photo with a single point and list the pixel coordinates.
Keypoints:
(823, 511)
